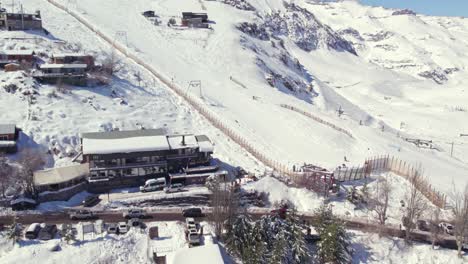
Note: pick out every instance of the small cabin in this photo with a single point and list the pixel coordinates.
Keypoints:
(149, 13)
(20, 21)
(16, 56)
(8, 136)
(73, 58)
(197, 20)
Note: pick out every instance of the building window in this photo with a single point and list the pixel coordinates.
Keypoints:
(2, 137)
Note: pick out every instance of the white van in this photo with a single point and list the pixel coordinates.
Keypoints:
(153, 185)
(33, 231)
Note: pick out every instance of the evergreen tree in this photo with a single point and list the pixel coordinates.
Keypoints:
(69, 236)
(14, 233)
(298, 246)
(242, 240)
(333, 246)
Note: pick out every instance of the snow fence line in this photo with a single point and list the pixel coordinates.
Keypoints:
(318, 119)
(406, 171)
(205, 112)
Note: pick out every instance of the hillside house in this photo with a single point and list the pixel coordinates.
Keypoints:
(20, 21)
(9, 134)
(17, 56)
(142, 154)
(197, 20)
(73, 58)
(74, 74)
(60, 178)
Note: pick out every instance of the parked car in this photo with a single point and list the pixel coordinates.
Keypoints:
(192, 212)
(112, 228)
(176, 187)
(81, 215)
(190, 221)
(123, 228)
(448, 228)
(47, 232)
(134, 213)
(134, 222)
(23, 204)
(91, 200)
(423, 225)
(33, 231)
(153, 185)
(193, 237)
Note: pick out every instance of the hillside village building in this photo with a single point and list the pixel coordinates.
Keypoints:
(73, 58)
(20, 21)
(8, 137)
(146, 153)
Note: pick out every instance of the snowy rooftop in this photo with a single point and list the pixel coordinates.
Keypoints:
(60, 175)
(140, 141)
(7, 129)
(202, 254)
(63, 55)
(63, 66)
(124, 145)
(17, 52)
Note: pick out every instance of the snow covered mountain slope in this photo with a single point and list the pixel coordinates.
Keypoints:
(388, 74)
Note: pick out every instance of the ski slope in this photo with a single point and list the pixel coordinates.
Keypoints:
(397, 99)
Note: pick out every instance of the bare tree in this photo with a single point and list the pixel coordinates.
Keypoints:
(111, 63)
(460, 216)
(380, 199)
(434, 226)
(6, 171)
(224, 203)
(416, 204)
(30, 161)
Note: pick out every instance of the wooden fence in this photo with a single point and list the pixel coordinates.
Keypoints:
(318, 119)
(400, 167)
(383, 163)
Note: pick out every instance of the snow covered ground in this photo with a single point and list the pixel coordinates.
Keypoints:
(370, 248)
(307, 201)
(397, 99)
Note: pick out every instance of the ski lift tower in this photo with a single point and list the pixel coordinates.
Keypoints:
(195, 84)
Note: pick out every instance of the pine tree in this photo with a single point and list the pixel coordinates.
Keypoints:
(14, 233)
(333, 246)
(298, 246)
(69, 236)
(242, 240)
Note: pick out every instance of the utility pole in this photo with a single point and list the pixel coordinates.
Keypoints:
(451, 151)
(22, 17)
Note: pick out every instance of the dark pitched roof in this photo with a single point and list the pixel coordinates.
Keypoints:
(125, 134)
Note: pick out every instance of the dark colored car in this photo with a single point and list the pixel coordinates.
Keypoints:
(23, 204)
(48, 232)
(91, 200)
(423, 225)
(192, 212)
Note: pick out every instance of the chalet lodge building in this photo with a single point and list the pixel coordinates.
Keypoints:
(142, 154)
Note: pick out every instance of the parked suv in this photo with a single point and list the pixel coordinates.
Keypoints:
(134, 213)
(177, 187)
(47, 232)
(192, 212)
(91, 200)
(33, 231)
(123, 228)
(153, 185)
(81, 215)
